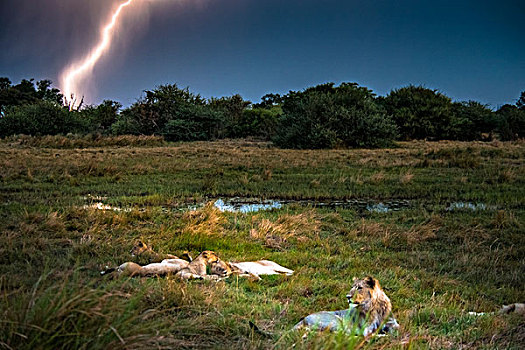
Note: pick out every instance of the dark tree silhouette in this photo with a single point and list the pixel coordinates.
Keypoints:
(521, 101)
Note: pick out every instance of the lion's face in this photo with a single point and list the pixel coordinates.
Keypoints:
(220, 268)
(362, 291)
(208, 256)
(139, 248)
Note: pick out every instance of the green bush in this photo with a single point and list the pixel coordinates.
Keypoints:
(27, 92)
(471, 120)
(126, 124)
(420, 113)
(259, 122)
(100, 118)
(41, 118)
(231, 111)
(175, 113)
(325, 116)
(511, 120)
(194, 123)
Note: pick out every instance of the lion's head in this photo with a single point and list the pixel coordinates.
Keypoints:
(369, 298)
(364, 292)
(220, 268)
(139, 248)
(208, 257)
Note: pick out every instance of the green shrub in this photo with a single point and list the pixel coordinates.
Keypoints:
(325, 116)
(259, 122)
(511, 122)
(183, 130)
(126, 124)
(231, 111)
(175, 113)
(100, 118)
(41, 118)
(471, 120)
(420, 113)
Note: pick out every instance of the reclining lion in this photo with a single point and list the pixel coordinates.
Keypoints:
(219, 268)
(163, 264)
(249, 268)
(196, 269)
(369, 312)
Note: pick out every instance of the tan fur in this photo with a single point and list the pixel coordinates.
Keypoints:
(369, 310)
(221, 268)
(168, 266)
(373, 304)
(197, 268)
(183, 269)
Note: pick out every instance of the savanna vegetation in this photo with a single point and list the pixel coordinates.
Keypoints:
(437, 260)
(319, 117)
(78, 186)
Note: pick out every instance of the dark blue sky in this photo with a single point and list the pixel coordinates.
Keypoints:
(465, 49)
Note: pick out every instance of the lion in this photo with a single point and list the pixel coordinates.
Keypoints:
(252, 269)
(515, 308)
(183, 269)
(197, 268)
(369, 312)
(518, 308)
(131, 269)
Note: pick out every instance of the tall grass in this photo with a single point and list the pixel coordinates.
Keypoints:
(435, 264)
(67, 314)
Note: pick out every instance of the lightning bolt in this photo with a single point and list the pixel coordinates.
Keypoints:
(79, 70)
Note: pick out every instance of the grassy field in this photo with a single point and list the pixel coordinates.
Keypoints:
(436, 260)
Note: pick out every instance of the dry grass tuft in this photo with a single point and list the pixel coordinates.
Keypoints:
(266, 174)
(424, 232)
(406, 178)
(38, 223)
(207, 220)
(503, 219)
(30, 175)
(243, 180)
(378, 178)
(388, 234)
(357, 179)
(141, 169)
(507, 176)
(370, 230)
(315, 183)
(86, 141)
(277, 234)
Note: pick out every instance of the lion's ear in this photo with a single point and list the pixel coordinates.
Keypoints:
(370, 281)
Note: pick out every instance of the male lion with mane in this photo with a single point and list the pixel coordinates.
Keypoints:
(369, 310)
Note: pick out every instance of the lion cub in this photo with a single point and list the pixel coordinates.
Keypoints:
(369, 310)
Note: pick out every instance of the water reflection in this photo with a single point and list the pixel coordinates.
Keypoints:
(251, 205)
(468, 206)
(236, 207)
(378, 208)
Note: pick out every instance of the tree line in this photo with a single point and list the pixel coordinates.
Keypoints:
(322, 116)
